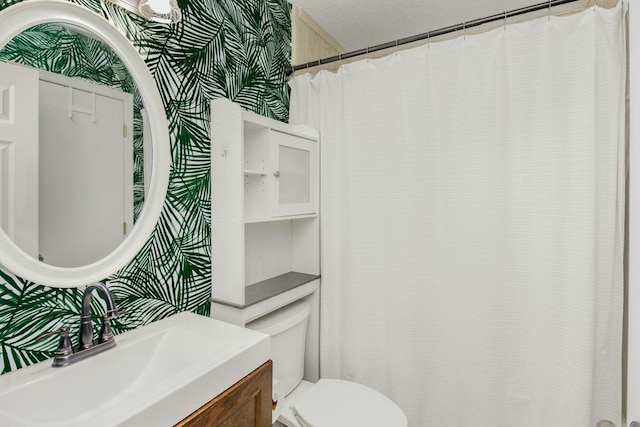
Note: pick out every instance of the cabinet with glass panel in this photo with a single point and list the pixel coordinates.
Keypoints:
(264, 222)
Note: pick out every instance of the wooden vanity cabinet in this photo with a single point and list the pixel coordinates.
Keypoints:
(245, 404)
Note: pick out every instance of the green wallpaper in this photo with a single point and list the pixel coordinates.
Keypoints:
(232, 48)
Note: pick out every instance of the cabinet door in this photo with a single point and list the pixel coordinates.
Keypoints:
(294, 161)
(245, 404)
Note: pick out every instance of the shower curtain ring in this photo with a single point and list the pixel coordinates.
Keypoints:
(464, 30)
(505, 20)
(549, 12)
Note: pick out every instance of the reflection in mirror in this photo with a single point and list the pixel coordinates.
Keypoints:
(90, 152)
(13, 21)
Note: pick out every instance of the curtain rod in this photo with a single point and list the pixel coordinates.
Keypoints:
(425, 36)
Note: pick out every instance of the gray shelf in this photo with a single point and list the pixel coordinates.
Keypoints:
(269, 288)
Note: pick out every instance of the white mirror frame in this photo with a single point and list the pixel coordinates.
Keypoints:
(21, 16)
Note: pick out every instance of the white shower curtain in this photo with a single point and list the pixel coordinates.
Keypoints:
(472, 223)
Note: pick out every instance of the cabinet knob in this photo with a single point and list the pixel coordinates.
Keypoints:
(276, 174)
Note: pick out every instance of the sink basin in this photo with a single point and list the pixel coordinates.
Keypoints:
(155, 376)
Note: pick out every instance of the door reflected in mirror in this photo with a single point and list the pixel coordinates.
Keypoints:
(89, 154)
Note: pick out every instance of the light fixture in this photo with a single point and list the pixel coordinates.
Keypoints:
(164, 11)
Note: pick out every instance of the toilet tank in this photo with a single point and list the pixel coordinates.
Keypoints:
(287, 327)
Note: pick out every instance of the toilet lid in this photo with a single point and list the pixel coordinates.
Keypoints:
(337, 403)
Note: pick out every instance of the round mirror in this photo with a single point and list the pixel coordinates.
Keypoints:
(89, 150)
(74, 187)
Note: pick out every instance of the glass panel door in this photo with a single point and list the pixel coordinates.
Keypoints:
(294, 162)
(294, 179)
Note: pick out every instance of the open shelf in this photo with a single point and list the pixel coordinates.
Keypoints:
(266, 289)
(275, 286)
(281, 218)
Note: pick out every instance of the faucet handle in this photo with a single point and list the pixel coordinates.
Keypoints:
(105, 332)
(64, 345)
(113, 314)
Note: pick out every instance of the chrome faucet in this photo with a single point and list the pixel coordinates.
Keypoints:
(65, 355)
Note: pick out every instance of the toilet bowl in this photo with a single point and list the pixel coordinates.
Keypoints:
(329, 402)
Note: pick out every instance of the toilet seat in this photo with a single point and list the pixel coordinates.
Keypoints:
(338, 403)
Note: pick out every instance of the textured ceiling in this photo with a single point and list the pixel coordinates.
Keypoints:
(356, 24)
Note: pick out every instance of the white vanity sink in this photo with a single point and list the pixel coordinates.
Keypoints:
(155, 376)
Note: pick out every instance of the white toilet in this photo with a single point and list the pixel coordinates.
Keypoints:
(327, 403)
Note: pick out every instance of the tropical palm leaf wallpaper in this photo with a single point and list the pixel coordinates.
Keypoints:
(224, 48)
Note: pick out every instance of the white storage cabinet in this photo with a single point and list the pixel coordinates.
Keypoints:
(264, 222)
